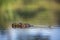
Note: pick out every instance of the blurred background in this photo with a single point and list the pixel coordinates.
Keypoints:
(35, 12)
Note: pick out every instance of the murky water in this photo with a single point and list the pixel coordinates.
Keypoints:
(31, 34)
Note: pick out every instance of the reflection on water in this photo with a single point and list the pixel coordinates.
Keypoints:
(3, 35)
(30, 34)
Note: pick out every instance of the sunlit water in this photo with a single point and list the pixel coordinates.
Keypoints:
(30, 34)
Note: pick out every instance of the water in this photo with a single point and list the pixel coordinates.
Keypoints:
(31, 34)
(3, 35)
(55, 34)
